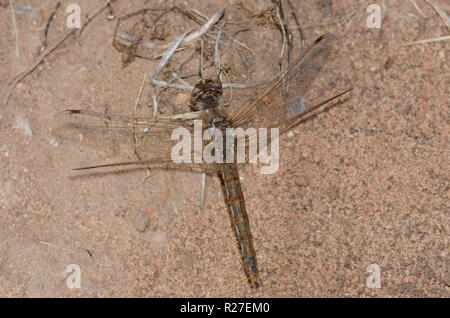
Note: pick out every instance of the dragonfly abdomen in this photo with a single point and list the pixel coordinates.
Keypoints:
(239, 219)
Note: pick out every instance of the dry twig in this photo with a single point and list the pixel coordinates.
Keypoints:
(438, 39)
(440, 11)
(18, 78)
(413, 2)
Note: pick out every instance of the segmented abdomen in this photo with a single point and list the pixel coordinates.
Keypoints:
(240, 222)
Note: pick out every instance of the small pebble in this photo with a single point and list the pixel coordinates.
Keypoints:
(357, 65)
(141, 221)
(447, 278)
(23, 125)
(21, 9)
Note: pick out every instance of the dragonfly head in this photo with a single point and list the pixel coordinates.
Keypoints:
(206, 95)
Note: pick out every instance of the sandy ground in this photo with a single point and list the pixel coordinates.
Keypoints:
(364, 184)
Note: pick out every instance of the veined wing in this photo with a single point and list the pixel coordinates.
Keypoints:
(283, 96)
(126, 139)
(117, 121)
(287, 124)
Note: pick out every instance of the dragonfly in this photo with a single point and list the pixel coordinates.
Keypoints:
(272, 106)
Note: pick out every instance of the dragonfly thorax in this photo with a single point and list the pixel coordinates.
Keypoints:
(207, 97)
(206, 94)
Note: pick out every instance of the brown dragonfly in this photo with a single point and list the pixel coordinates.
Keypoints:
(272, 106)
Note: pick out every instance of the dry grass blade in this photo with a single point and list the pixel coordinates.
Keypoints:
(164, 61)
(27, 72)
(413, 2)
(15, 27)
(202, 194)
(438, 39)
(299, 26)
(440, 11)
(283, 43)
(206, 27)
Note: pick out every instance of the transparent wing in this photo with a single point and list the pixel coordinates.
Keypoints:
(126, 140)
(284, 96)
